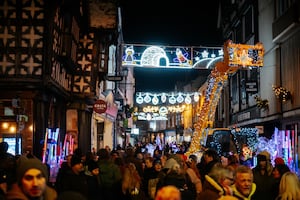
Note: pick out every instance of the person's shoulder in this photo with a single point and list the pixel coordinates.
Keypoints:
(50, 193)
(227, 197)
(70, 195)
(9, 155)
(14, 193)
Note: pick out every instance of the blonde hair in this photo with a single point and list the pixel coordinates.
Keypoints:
(168, 192)
(289, 187)
(131, 179)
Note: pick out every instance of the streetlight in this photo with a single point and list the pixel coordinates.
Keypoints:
(125, 74)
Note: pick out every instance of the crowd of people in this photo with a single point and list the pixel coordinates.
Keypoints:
(129, 174)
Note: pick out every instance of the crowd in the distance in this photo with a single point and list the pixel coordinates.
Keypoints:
(129, 174)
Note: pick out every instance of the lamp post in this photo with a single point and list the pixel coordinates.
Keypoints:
(16, 106)
(125, 122)
(125, 74)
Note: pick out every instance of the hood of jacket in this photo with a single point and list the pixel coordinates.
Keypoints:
(213, 185)
(239, 195)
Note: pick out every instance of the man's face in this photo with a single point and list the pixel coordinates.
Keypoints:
(263, 164)
(33, 183)
(157, 167)
(77, 168)
(276, 173)
(243, 183)
(207, 158)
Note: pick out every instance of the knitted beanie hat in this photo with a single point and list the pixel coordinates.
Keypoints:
(170, 163)
(75, 160)
(282, 168)
(24, 164)
(279, 161)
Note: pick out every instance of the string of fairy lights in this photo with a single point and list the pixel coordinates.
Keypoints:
(160, 104)
(282, 93)
(164, 98)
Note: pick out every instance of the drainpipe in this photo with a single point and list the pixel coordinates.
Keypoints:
(280, 82)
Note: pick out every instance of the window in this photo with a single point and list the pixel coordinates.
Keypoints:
(239, 33)
(281, 6)
(248, 23)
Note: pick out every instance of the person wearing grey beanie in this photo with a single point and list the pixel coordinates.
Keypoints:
(32, 176)
(24, 164)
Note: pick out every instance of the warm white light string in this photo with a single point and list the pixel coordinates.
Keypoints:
(165, 98)
(158, 112)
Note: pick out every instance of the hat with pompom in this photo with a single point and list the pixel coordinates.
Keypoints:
(24, 164)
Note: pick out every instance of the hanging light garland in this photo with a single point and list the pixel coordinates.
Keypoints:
(171, 98)
(282, 93)
(261, 103)
(158, 112)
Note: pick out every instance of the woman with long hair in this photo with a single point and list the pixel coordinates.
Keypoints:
(289, 187)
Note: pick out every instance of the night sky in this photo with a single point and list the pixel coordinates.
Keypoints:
(183, 23)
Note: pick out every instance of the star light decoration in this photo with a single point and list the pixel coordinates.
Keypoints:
(282, 93)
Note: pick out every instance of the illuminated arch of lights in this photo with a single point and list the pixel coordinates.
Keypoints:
(170, 56)
(166, 98)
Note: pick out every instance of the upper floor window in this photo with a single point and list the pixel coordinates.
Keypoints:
(239, 33)
(281, 6)
(248, 23)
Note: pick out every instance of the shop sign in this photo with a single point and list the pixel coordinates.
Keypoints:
(100, 106)
(251, 87)
(112, 110)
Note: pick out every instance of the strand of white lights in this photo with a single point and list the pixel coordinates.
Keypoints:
(172, 98)
(164, 109)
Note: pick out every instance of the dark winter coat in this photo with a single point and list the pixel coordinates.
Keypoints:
(211, 190)
(75, 182)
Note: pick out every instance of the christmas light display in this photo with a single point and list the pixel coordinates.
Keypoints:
(158, 112)
(283, 143)
(171, 98)
(261, 103)
(248, 136)
(282, 93)
(245, 55)
(235, 57)
(170, 56)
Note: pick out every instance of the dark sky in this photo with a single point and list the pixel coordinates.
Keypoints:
(174, 22)
(164, 79)
(159, 22)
